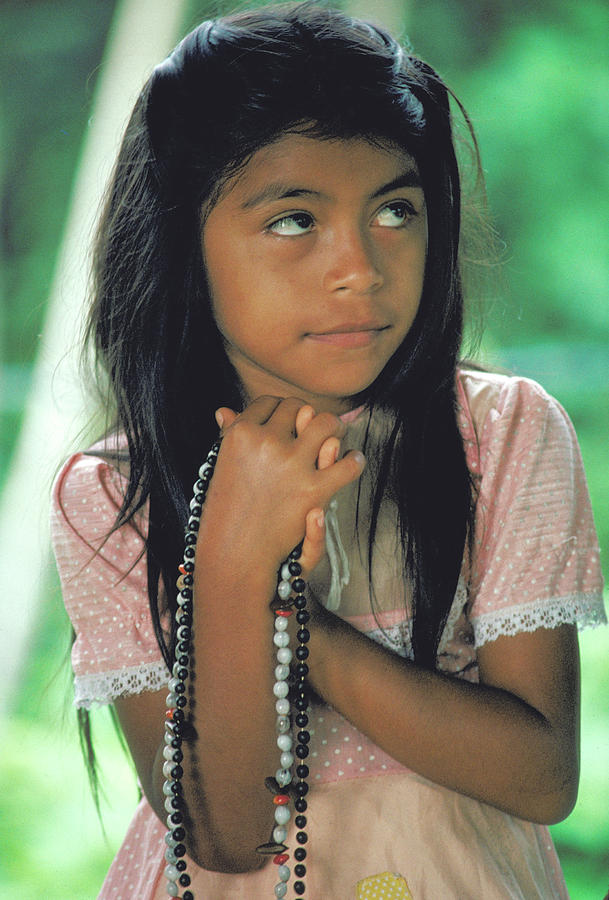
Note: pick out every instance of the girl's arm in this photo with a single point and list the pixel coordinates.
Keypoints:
(511, 741)
(267, 483)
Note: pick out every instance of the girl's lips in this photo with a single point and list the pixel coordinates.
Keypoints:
(358, 337)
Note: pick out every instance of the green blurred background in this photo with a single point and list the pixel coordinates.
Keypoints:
(535, 79)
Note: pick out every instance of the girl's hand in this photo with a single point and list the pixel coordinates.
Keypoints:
(313, 546)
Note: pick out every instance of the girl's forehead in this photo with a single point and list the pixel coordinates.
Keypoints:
(293, 157)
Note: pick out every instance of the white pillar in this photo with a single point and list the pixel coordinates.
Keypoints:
(142, 33)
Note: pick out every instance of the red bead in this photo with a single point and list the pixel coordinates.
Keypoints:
(280, 859)
(182, 569)
(169, 714)
(283, 612)
(281, 799)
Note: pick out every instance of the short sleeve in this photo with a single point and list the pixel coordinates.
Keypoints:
(104, 585)
(535, 562)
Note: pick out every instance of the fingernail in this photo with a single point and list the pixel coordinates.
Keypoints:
(219, 418)
(360, 458)
(320, 519)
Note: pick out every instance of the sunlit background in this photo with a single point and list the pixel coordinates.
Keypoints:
(535, 79)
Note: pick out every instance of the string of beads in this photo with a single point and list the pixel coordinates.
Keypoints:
(291, 705)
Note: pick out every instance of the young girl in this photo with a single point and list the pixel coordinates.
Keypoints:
(278, 258)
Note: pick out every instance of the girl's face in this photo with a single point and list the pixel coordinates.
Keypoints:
(315, 256)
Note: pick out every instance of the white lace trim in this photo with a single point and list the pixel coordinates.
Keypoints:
(584, 610)
(104, 687)
(395, 638)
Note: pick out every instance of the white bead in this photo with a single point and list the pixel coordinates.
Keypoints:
(282, 706)
(167, 767)
(281, 623)
(173, 683)
(280, 833)
(168, 752)
(281, 890)
(176, 669)
(168, 805)
(283, 777)
(172, 888)
(281, 639)
(284, 655)
(170, 840)
(284, 742)
(170, 701)
(283, 873)
(167, 789)
(286, 760)
(203, 469)
(170, 856)
(183, 633)
(281, 672)
(171, 873)
(281, 689)
(282, 724)
(285, 572)
(284, 589)
(282, 815)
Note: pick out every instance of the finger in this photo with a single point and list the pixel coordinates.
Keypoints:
(314, 543)
(225, 416)
(303, 417)
(342, 472)
(328, 453)
(321, 427)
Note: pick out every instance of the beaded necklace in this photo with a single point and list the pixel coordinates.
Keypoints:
(290, 780)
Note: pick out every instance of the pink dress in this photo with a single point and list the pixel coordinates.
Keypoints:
(535, 564)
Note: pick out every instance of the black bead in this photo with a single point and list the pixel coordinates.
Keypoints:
(301, 703)
(300, 871)
(302, 788)
(184, 647)
(186, 593)
(295, 554)
(199, 497)
(298, 585)
(300, 602)
(184, 619)
(303, 737)
(299, 888)
(301, 837)
(302, 670)
(302, 771)
(176, 802)
(193, 524)
(176, 743)
(176, 818)
(181, 702)
(303, 635)
(189, 553)
(179, 834)
(196, 511)
(180, 849)
(294, 567)
(184, 880)
(187, 607)
(302, 720)
(191, 539)
(178, 715)
(182, 674)
(186, 633)
(300, 822)
(188, 895)
(189, 567)
(180, 688)
(188, 580)
(176, 788)
(302, 617)
(183, 660)
(181, 865)
(178, 756)
(302, 653)
(300, 805)
(302, 751)
(177, 772)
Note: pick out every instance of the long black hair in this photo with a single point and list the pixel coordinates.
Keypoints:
(229, 88)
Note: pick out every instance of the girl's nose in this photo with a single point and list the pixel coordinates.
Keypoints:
(351, 266)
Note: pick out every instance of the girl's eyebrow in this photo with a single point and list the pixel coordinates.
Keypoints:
(278, 190)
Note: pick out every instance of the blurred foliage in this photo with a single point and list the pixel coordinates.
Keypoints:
(535, 79)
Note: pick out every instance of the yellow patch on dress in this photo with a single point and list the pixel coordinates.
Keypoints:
(383, 887)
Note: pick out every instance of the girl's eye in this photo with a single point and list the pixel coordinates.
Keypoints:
(294, 224)
(395, 214)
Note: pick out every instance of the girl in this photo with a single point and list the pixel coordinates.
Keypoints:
(278, 257)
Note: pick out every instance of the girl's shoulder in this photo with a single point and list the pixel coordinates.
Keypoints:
(492, 404)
